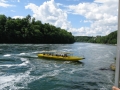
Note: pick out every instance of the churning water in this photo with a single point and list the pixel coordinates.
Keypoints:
(21, 69)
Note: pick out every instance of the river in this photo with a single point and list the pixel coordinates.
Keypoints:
(21, 69)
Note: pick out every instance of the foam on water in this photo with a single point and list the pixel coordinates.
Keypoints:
(24, 78)
(111, 53)
(22, 54)
(106, 55)
(66, 62)
(24, 63)
(55, 65)
(11, 80)
(6, 81)
(7, 55)
(32, 54)
(9, 65)
(36, 52)
(23, 59)
(74, 70)
(53, 70)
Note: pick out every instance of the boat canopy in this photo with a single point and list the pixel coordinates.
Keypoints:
(53, 52)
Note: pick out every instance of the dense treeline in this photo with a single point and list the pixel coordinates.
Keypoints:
(27, 30)
(82, 38)
(108, 39)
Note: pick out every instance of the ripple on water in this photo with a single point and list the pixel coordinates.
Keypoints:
(7, 55)
(18, 71)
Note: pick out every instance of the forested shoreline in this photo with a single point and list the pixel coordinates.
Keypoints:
(29, 30)
(108, 39)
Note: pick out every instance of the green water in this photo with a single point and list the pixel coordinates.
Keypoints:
(21, 69)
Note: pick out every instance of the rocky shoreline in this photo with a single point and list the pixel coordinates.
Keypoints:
(112, 66)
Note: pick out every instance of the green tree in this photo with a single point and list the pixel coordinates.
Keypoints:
(27, 30)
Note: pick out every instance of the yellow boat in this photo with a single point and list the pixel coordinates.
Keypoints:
(59, 56)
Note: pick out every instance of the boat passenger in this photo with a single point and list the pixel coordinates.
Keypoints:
(62, 55)
(65, 55)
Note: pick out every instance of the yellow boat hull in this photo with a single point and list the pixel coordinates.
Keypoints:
(68, 58)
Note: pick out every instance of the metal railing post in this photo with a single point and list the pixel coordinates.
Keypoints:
(117, 71)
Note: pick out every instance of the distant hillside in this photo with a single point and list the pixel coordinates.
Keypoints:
(108, 39)
(83, 38)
